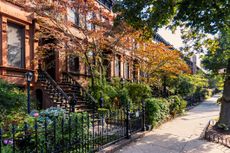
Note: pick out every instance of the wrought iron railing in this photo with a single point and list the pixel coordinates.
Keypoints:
(90, 101)
(57, 95)
(61, 134)
(77, 132)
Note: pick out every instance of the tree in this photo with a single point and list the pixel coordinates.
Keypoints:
(77, 28)
(205, 16)
(198, 19)
(216, 60)
(159, 62)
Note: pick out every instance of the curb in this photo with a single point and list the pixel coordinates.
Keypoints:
(213, 136)
(122, 143)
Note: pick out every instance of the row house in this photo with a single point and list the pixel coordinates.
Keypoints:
(17, 43)
(59, 78)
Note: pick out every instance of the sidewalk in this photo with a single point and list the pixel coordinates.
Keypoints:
(181, 135)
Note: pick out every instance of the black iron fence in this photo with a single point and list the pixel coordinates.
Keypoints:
(78, 132)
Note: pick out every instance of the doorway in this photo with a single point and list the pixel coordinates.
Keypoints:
(39, 98)
(50, 63)
(49, 56)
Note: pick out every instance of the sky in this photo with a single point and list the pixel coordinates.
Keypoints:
(175, 40)
(172, 38)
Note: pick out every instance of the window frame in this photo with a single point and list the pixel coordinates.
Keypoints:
(22, 29)
(76, 16)
(76, 68)
(117, 66)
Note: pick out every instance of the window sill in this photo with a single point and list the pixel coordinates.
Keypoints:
(16, 69)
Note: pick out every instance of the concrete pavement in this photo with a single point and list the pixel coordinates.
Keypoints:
(181, 135)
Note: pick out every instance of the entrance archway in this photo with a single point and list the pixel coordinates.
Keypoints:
(39, 98)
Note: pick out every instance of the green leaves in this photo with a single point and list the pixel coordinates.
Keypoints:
(12, 99)
(200, 17)
(217, 58)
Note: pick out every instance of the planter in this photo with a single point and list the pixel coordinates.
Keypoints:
(148, 127)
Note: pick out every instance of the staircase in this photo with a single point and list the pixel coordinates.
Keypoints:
(70, 86)
(60, 94)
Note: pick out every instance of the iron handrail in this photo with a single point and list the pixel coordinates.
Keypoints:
(56, 85)
(53, 83)
(81, 87)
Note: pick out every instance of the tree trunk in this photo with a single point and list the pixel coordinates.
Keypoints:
(225, 103)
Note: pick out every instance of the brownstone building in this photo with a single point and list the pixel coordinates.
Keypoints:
(17, 47)
(53, 85)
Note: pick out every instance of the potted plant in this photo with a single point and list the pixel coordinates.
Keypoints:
(102, 112)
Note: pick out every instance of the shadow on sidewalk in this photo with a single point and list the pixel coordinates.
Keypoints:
(168, 143)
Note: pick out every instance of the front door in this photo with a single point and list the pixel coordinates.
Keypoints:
(50, 63)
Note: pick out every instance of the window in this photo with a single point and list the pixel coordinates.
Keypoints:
(89, 17)
(15, 45)
(107, 3)
(74, 65)
(126, 70)
(117, 66)
(135, 71)
(73, 16)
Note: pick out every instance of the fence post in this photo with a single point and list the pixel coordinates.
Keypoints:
(13, 133)
(36, 135)
(127, 121)
(143, 115)
(0, 140)
(94, 105)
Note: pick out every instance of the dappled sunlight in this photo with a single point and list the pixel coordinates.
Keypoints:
(181, 135)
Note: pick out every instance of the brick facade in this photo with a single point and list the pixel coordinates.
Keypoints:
(14, 15)
(11, 13)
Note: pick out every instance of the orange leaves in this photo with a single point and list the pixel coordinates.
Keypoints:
(89, 28)
(160, 59)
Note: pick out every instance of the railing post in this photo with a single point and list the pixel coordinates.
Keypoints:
(143, 115)
(93, 126)
(127, 121)
(36, 135)
(13, 133)
(0, 140)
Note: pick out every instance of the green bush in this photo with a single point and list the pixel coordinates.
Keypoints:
(124, 98)
(103, 111)
(157, 109)
(116, 94)
(102, 88)
(137, 91)
(206, 93)
(54, 117)
(177, 105)
(12, 99)
(188, 85)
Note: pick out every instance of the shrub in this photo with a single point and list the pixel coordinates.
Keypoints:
(105, 90)
(137, 91)
(124, 98)
(188, 85)
(103, 111)
(157, 109)
(177, 105)
(12, 99)
(54, 118)
(207, 93)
